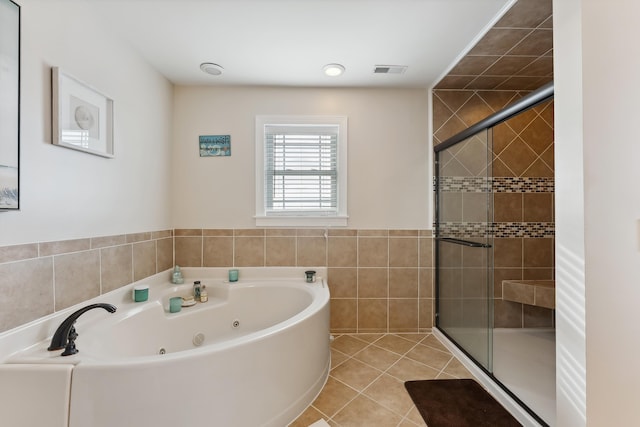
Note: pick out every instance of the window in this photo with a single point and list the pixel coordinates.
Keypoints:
(301, 173)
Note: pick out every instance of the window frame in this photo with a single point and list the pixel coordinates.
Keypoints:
(298, 218)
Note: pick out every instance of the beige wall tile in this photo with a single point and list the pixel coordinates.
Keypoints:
(450, 283)
(311, 251)
(507, 252)
(539, 273)
(162, 234)
(474, 207)
(403, 315)
(373, 252)
(106, 241)
(507, 314)
(475, 283)
(334, 232)
(249, 232)
(425, 288)
(116, 267)
(451, 207)
(451, 312)
(474, 257)
(518, 292)
(18, 252)
(537, 317)
(188, 251)
(403, 283)
(450, 254)
(426, 313)
(500, 274)
(280, 232)
(77, 278)
(281, 251)
(144, 259)
(507, 207)
(218, 251)
(372, 315)
(188, 232)
(545, 297)
(426, 251)
(373, 233)
(403, 233)
(538, 207)
(165, 254)
(249, 252)
(403, 252)
(344, 314)
(373, 283)
(138, 237)
(538, 252)
(311, 232)
(26, 291)
(218, 232)
(64, 246)
(343, 282)
(342, 252)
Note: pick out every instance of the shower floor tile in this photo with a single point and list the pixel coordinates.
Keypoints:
(366, 382)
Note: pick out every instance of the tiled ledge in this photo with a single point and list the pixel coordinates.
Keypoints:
(540, 293)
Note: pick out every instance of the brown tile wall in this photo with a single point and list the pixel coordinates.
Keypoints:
(37, 279)
(523, 149)
(380, 280)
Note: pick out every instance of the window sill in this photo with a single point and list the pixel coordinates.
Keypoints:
(301, 221)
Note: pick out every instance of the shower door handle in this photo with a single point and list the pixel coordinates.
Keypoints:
(467, 243)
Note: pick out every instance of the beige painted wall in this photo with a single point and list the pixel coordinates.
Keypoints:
(66, 194)
(389, 186)
(598, 252)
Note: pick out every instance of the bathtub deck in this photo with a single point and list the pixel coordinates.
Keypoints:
(366, 382)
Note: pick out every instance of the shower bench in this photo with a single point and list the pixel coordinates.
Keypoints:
(541, 293)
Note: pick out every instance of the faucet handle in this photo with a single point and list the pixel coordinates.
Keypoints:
(71, 344)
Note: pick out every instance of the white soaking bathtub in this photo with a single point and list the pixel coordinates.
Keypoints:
(256, 354)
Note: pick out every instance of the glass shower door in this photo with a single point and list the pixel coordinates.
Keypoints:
(464, 257)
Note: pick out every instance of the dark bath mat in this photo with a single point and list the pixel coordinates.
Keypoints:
(458, 403)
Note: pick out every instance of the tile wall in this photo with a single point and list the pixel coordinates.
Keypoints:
(37, 279)
(522, 185)
(380, 280)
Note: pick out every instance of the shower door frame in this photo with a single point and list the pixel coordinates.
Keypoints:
(537, 97)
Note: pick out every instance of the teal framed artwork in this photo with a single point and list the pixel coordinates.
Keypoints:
(215, 145)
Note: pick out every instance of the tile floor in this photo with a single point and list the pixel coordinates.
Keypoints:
(366, 382)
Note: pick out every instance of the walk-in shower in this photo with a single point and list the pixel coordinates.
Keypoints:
(494, 249)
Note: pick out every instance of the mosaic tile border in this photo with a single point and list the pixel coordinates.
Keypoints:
(531, 230)
(474, 184)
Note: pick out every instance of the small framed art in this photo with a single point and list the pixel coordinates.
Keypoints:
(215, 145)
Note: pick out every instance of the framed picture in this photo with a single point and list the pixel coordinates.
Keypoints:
(215, 145)
(82, 117)
(9, 106)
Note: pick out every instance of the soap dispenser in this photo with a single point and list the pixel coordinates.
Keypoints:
(176, 277)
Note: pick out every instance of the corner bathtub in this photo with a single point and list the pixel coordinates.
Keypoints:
(256, 354)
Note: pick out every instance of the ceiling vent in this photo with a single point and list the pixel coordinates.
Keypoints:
(390, 69)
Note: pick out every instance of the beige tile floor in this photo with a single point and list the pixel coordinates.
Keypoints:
(366, 382)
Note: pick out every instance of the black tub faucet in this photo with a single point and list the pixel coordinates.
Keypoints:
(65, 336)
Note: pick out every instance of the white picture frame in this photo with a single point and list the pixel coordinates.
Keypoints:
(82, 117)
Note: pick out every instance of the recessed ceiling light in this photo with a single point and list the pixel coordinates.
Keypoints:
(333, 70)
(211, 68)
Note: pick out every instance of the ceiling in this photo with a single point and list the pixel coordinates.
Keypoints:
(287, 42)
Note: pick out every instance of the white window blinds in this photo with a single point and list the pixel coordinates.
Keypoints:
(301, 169)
